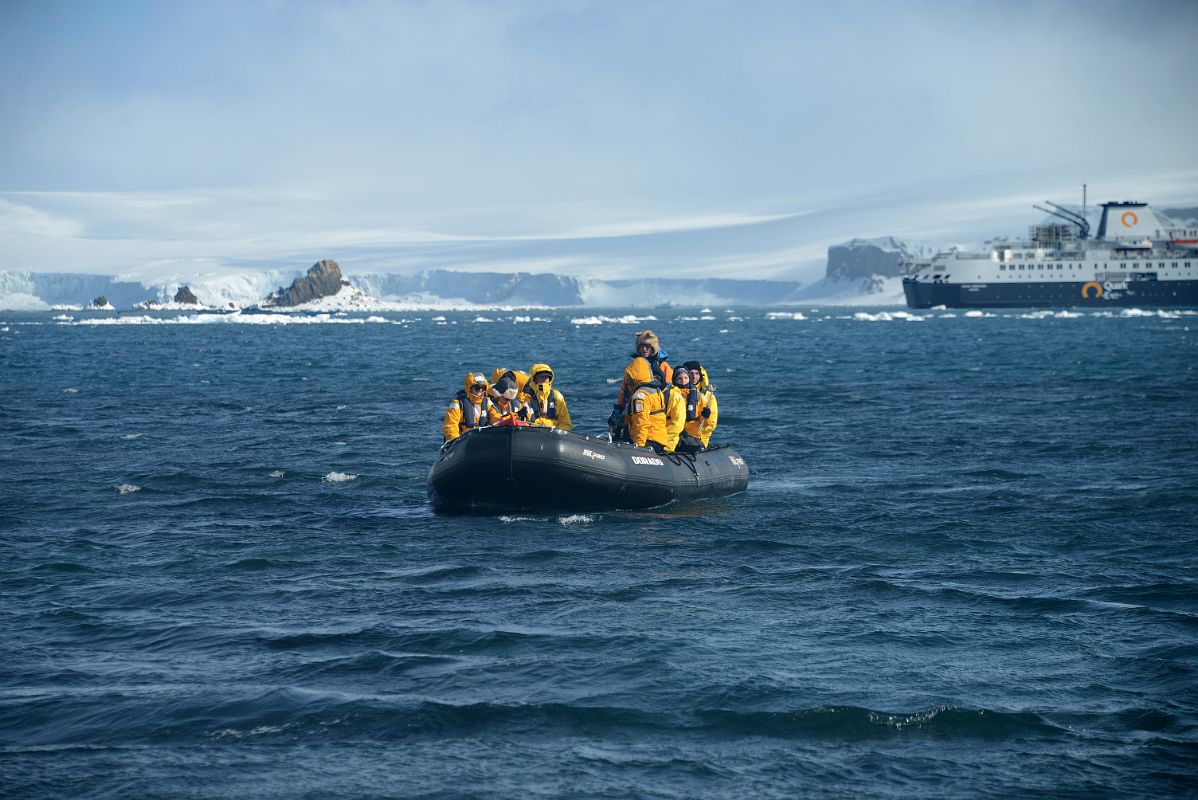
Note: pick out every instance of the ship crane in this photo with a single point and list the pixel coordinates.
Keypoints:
(1071, 217)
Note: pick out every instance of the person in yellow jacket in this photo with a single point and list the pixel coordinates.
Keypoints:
(505, 396)
(470, 408)
(707, 410)
(648, 347)
(646, 415)
(681, 401)
(547, 403)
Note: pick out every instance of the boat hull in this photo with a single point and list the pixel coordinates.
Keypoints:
(1062, 294)
(542, 469)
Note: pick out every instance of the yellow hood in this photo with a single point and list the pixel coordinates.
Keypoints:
(540, 389)
(472, 378)
(638, 372)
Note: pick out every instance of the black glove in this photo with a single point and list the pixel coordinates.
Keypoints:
(616, 420)
(706, 413)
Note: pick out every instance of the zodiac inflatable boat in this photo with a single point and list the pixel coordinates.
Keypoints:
(534, 468)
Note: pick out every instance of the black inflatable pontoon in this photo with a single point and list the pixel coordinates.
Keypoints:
(542, 469)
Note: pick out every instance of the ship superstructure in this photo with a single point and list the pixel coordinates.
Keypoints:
(1138, 257)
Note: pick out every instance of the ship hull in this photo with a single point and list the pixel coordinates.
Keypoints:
(1062, 294)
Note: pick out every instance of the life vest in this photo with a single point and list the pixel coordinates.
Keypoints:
(534, 402)
(468, 419)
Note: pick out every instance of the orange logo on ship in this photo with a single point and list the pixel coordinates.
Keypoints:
(1096, 286)
(1132, 215)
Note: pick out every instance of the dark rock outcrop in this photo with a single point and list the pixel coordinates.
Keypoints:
(864, 258)
(185, 295)
(100, 302)
(323, 280)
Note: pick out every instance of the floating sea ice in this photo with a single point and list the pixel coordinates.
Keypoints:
(127, 488)
(705, 318)
(976, 314)
(798, 315)
(342, 407)
(887, 316)
(63, 318)
(70, 390)
(483, 319)
(128, 437)
(628, 319)
(376, 319)
(725, 330)
(704, 310)
(338, 477)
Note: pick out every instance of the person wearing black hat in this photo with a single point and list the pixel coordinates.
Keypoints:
(681, 398)
(707, 411)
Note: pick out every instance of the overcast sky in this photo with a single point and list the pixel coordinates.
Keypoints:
(140, 135)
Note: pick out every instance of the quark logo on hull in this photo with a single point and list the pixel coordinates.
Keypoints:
(648, 462)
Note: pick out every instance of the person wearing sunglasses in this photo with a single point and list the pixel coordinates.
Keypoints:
(648, 347)
(547, 404)
(470, 408)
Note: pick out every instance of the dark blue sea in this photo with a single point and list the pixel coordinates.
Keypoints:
(966, 564)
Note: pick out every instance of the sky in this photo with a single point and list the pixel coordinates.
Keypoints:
(677, 137)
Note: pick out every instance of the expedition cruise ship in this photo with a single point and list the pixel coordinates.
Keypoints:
(1137, 258)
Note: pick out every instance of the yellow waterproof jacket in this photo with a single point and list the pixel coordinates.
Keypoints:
(513, 404)
(707, 411)
(548, 403)
(646, 414)
(468, 409)
(675, 415)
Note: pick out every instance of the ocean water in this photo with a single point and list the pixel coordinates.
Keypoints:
(965, 566)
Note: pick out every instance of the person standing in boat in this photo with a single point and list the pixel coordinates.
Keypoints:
(646, 417)
(707, 410)
(547, 404)
(681, 400)
(470, 408)
(648, 347)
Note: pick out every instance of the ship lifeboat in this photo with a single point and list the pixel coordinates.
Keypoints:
(514, 468)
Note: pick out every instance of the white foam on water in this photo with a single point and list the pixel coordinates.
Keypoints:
(704, 310)
(735, 319)
(342, 407)
(70, 390)
(128, 437)
(977, 314)
(62, 318)
(507, 520)
(483, 319)
(277, 473)
(614, 380)
(785, 315)
(706, 318)
(127, 488)
(438, 319)
(576, 519)
(725, 330)
(339, 477)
